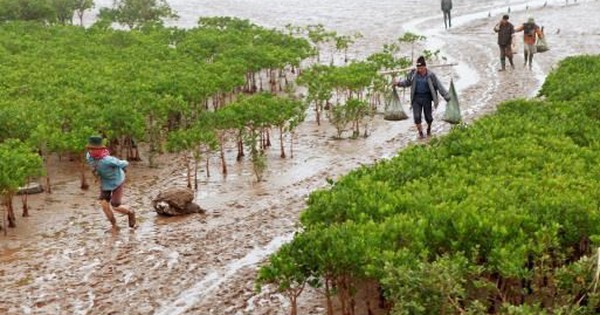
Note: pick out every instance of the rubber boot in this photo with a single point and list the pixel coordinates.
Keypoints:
(503, 65)
(512, 65)
(108, 212)
(420, 129)
(429, 130)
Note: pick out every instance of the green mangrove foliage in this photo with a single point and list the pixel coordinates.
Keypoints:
(128, 84)
(47, 11)
(137, 13)
(130, 13)
(351, 92)
(250, 117)
(501, 216)
(61, 83)
(19, 164)
(413, 39)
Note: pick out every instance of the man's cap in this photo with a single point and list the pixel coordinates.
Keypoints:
(505, 17)
(530, 20)
(95, 142)
(421, 61)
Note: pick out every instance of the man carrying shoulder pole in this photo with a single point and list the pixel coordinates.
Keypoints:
(424, 88)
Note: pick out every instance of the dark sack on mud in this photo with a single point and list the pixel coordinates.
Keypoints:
(541, 45)
(393, 107)
(452, 114)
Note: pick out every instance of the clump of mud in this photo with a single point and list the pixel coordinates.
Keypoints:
(176, 201)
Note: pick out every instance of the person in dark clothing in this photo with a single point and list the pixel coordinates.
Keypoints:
(446, 8)
(424, 88)
(505, 31)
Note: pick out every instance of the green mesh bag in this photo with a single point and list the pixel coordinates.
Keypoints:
(393, 107)
(452, 114)
(541, 45)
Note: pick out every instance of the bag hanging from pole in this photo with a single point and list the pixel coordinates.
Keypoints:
(393, 107)
(452, 114)
(541, 45)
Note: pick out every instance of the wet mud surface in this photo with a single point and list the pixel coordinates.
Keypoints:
(63, 260)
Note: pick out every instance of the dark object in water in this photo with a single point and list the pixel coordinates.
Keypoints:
(31, 188)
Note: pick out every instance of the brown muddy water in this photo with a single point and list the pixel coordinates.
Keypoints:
(62, 260)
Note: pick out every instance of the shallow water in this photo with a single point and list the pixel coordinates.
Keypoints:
(61, 260)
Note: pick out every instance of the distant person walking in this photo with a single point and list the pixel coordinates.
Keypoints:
(446, 8)
(530, 34)
(424, 88)
(111, 172)
(505, 31)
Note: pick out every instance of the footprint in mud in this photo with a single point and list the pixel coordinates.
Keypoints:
(123, 259)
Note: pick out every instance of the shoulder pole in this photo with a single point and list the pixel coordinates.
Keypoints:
(410, 68)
